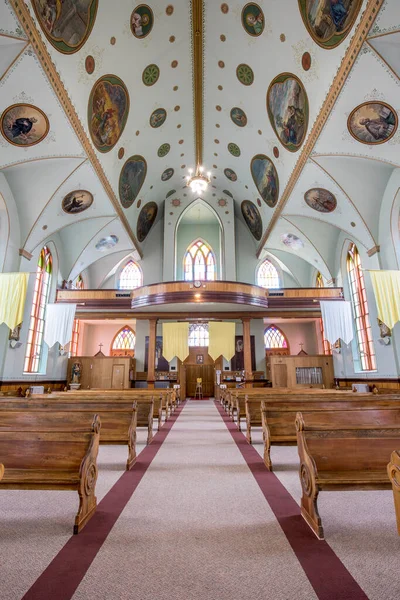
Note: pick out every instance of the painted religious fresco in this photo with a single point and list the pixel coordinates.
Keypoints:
(106, 243)
(66, 23)
(238, 116)
(321, 200)
(142, 21)
(76, 202)
(287, 106)
(292, 241)
(24, 125)
(329, 21)
(108, 110)
(131, 179)
(167, 174)
(253, 19)
(230, 174)
(161, 364)
(266, 178)
(146, 218)
(157, 117)
(373, 123)
(252, 217)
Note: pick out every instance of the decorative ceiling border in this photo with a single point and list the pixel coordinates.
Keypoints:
(33, 35)
(358, 39)
(197, 10)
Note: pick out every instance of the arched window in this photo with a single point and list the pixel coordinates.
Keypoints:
(73, 348)
(360, 310)
(319, 282)
(131, 276)
(124, 342)
(199, 262)
(267, 275)
(274, 338)
(34, 346)
(198, 334)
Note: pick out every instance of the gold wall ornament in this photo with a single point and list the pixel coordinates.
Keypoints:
(357, 41)
(24, 17)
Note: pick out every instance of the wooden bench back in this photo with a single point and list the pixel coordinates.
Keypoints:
(342, 440)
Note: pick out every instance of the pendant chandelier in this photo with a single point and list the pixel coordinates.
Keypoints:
(198, 181)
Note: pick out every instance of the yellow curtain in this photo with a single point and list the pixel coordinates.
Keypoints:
(386, 286)
(175, 340)
(13, 288)
(222, 340)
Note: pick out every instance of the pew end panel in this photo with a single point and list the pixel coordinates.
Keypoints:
(88, 474)
(394, 476)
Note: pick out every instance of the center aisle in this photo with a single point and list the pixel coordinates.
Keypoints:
(197, 527)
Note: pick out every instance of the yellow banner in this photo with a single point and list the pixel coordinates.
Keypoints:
(13, 288)
(386, 286)
(175, 340)
(222, 340)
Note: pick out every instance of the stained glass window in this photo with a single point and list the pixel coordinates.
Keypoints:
(267, 275)
(75, 338)
(34, 345)
(360, 310)
(199, 262)
(198, 334)
(131, 276)
(274, 338)
(124, 340)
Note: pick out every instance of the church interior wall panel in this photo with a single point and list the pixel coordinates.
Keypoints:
(11, 258)
(152, 263)
(300, 333)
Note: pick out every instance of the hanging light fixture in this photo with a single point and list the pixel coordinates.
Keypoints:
(198, 181)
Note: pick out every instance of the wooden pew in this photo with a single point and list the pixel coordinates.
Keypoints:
(118, 423)
(253, 415)
(394, 475)
(1, 471)
(145, 409)
(278, 416)
(344, 450)
(45, 455)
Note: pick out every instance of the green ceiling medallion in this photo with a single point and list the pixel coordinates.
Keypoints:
(170, 193)
(245, 74)
(163, 150)
(150, 75)
(234, 149)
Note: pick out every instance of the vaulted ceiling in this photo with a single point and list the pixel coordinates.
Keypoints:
(131, 96)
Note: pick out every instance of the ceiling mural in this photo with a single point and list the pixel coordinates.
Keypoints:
(287, 106)
(167, 174)
(230, 174)
(253, 19)
(238, 116)
(107, 243)
(373, 123)
(320, 200)
(292, 241)
(77, 201)
(157, 118)
(266, 178)
(142, 21)
(66, 24)
(131, 179)
(24, 125)
(146, 218)
(253, 219)
(329, 21)
(107, 111)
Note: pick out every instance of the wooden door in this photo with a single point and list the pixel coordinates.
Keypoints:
(206, 373)
(279, 376)
(118, 377)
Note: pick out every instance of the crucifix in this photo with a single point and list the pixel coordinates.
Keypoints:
(100, 346)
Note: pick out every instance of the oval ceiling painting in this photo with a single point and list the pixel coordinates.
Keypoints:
(142, 21)
(108, 110)
(321, 200)
(106, 243)
(287, 106)
(66, 24)
(167, 174)
(265, 177)
(253, 19)
(76, 202)
(238, 116)
(133, 174)
(373, 123)
(24, 125)
(329, 21)
(292, 241)
(157, 117)
(252, 217)
(146, 218)
(230, 174)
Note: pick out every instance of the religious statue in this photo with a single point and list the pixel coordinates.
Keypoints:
(76, 372)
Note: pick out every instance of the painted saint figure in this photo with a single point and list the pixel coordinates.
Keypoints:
(22, 127)
(381, 127)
